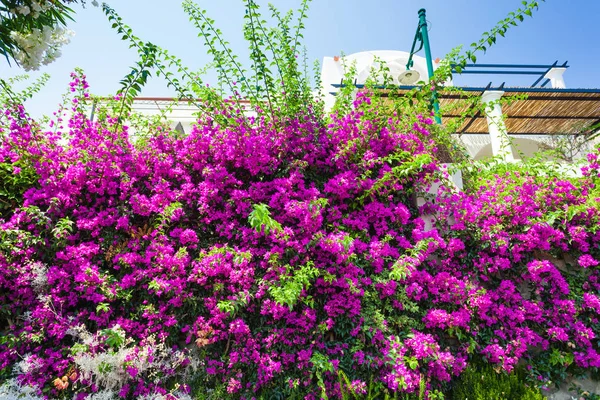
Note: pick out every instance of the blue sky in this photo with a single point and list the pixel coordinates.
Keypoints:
(560, 30)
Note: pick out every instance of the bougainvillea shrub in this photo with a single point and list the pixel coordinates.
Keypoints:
(266, 255)
(519, 274)
(282, 258)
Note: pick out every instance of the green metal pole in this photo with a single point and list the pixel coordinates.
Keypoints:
(425, 37)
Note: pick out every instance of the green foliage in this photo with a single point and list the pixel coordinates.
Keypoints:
(151, 57)
(403, 266)
(78, 348)
(103, 307)
(63, 227)
(345, 96)
(229, 69)
(15, 178)
(114, 337)
(321, 364)
(11, 97)
(164, 218)
(260, 218)
(291, 284)
(284, 94)
(484, 383)
(13, 240)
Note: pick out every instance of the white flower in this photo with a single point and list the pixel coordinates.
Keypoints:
(28, 364)
(39, 46)
(108, 370)
(158, 396)
(23, 10)
(40, 278)
(103, 395)
(12, 390)
(36, 9)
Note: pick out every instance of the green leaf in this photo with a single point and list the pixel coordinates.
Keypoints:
(102, 308)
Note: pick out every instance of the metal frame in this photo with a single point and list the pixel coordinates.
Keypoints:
(489, 87)
(511, 69)
(500, 69)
